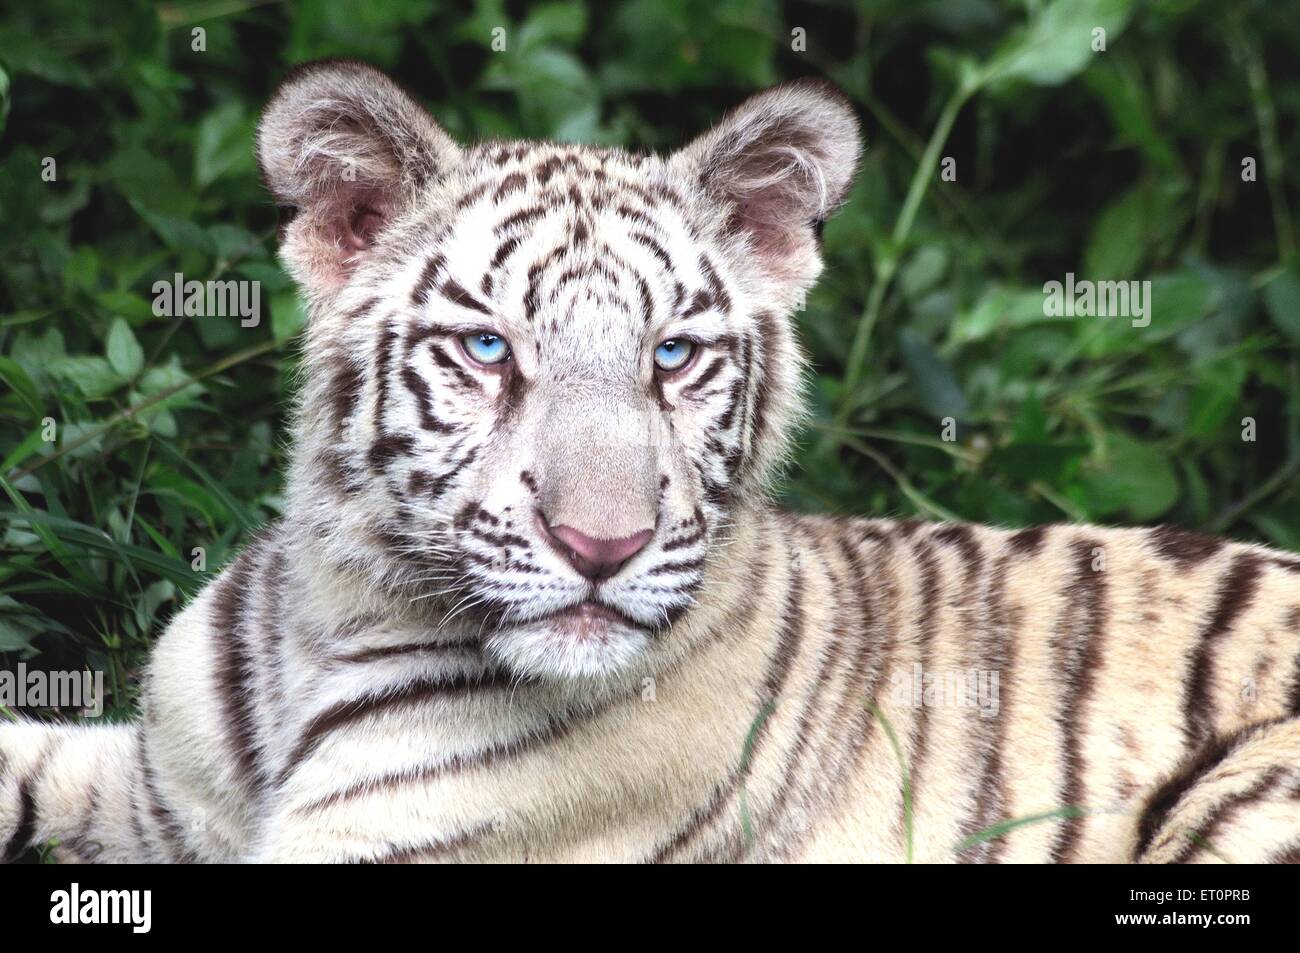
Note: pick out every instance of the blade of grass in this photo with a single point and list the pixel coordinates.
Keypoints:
(245, 520)
(907, 781)
(746, 824)
(1002, 828)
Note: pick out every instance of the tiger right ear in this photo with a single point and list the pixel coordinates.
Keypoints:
(777, 166)
(344, 149)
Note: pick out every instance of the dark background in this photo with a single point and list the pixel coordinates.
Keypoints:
(1117, 165)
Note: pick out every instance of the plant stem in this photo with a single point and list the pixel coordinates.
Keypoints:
(917, 498)
(1261, 99)
(1280, 478)
(887, 263)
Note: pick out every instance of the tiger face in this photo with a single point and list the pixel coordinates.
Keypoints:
(540, 377)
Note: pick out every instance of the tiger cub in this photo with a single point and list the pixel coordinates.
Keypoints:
(529, 600)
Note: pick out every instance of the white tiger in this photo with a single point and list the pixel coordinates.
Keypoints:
(529, 599)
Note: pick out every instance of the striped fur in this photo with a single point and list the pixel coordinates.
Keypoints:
(392, 673)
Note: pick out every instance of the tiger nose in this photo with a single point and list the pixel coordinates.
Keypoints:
(594, 558)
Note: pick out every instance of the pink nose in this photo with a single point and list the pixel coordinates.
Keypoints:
(594, 558)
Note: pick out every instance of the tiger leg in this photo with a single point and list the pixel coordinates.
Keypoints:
(1237, 802)
(67, 785)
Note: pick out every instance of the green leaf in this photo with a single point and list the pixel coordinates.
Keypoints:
(15, 634)
(82, 269)
(179, 234)
(221, 144)
(923, 270)
(1133, 477)
(1026, 462)
(153, 598)
(1216, 394)
(1001, 309)
(936, 386)
(124, 351)
(1057, 44)
(288, 316)
(1122, 235)
(559, 24)
(1130, 109)
(1282, 301)
(12, 373)
(94, 376)
(126, 305)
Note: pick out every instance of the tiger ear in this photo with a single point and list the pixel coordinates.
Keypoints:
(778, 166)
(344, 150)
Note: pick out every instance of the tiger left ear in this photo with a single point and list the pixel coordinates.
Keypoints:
(778, 166)
(345, 151)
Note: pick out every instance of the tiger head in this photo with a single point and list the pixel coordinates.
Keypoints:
(541, 380)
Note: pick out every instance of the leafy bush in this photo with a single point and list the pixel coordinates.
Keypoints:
(1124, 164)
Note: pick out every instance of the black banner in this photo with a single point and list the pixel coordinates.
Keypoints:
(139, 904)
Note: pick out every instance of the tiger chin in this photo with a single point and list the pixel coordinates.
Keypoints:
(530, 600)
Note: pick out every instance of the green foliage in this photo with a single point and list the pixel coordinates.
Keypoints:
(1125, 164)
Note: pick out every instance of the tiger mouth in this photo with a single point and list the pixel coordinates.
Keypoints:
(589, 618)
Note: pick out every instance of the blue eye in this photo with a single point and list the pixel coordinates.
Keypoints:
(486, 347)
(674, 354)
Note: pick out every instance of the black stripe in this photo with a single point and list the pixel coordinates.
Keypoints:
(424, 402)
(448, 363)
(503, 251)
(1235, 595)
(656, 249)
(700, 302)
(235, 676)
(420, 293)
(925, 628)
(557, 726)
(388, 448)
(273, 623)
(1186, 549)
(26, 829)
(716, 287)
(688, 565)
(456, 293)
(1027, 542)
(173, 836)
(875, 651)
(765, 348)
(428, 850)
(343, 390)
(472, 196)
(990, 785)
(346, 712)
(388, 339)
(379, 652)
(1166, 797)
(514, 182)
(1079, 648)
(133, 792)
(710, 372)
(519, 218)
(1227, 810)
